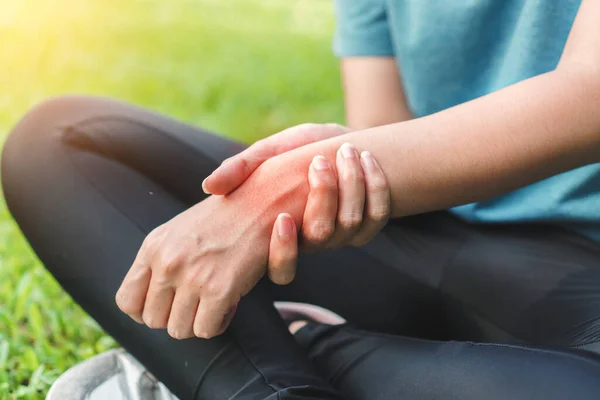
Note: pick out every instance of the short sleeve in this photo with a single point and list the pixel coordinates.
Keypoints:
(362, 29)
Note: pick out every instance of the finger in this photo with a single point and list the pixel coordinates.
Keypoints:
(378, 202)
(351, 186)
(158, 304)
(131, 296)
(228, 176)
(210, 317)
(183, 313)
(235, 170)
(318, 224)
(283, 250)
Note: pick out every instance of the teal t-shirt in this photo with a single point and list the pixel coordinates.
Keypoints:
(450, 52)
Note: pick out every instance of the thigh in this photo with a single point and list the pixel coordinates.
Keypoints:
(364, 365)
(87, 179)
(390, 284)
(531, 284)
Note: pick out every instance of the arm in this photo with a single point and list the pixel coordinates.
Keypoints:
(373, 92)
(372, 87)
(526, 132)
(489, 146)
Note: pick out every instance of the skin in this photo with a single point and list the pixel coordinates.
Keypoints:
(373, 92)
(373, 96)
(347, 204)
(486, 147)
(346, 210)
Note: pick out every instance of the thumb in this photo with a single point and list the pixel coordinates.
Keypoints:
(235, 170)
(229, 175)
(283, 250)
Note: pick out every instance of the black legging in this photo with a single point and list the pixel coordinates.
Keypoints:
(88, 178)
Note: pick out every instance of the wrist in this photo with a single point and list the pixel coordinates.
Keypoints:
(278, 185)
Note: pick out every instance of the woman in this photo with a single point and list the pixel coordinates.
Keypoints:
(496, 298)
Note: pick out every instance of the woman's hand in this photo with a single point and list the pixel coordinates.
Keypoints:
(191, 272)
(235, 170)
(345, 208)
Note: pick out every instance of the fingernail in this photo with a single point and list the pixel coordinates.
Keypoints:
(367, 160)
(348, 151)
(285, 226)
(320, 163)
(204, 186)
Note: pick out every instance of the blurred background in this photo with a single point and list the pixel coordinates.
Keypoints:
(243, 68)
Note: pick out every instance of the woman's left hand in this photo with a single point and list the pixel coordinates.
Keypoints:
(347, 206)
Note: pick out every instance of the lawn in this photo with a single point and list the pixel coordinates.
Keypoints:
(246, 68)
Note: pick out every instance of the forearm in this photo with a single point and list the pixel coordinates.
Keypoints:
(489, 146)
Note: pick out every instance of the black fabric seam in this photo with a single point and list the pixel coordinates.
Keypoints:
(119, 118)
(101, 192)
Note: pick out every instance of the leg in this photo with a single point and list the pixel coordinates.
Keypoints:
(434, 276)
(87, 179)
(525, 284)
(535, 288)
(389, 285)
(364, 365)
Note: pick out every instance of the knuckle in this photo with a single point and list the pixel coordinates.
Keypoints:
(337, 127)
(148, 245)
(178, 334)
(308, 126)
(352, 176)
(257, 146)
(154, 237)
(325, 186)
(124, 303)
(211, 288)
(169, 264)
(151, 243)
(301, 128)
(379, 213)
(217, 289)
(320, 231)
(350, 220)
(153, 323)
(204, 333)
(378, 185)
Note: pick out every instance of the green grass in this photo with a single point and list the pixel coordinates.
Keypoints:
(246, 68)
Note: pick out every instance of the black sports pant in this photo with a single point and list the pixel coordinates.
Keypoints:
(437, 308)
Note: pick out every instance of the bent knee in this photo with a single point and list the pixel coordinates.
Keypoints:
(46, 122)
(37, 126)
(32, 143)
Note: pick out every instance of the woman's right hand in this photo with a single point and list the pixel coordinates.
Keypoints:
(348, 204)
(235, 170)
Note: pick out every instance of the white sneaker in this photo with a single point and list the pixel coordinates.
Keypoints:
(290, 310)
(114, 375)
